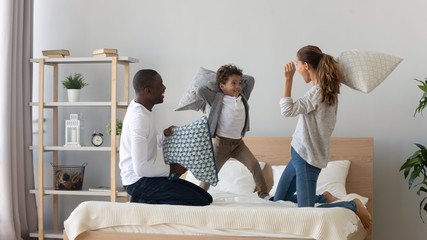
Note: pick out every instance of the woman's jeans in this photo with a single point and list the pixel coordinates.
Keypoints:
(161, 190)
(301, 178)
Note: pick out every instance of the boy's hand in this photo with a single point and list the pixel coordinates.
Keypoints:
(176, 168)
(168, 131)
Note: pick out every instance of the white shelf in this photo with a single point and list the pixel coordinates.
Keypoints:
(49, 234)
(85, 60)
(68, 148)
(51, 191)
(79, 104)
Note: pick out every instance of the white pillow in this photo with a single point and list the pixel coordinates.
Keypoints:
(277, 173)
(234, 177)
(332, 178)
(365, 70)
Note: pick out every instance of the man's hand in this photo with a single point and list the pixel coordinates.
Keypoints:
(168, 131)
(176, 168)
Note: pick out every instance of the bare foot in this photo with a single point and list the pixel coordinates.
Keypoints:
(329, 197)
(363, 214)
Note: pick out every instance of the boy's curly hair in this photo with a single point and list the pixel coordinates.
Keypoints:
(226, 71)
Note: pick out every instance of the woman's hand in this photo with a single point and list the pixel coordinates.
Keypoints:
(289, 71)
(168, 131)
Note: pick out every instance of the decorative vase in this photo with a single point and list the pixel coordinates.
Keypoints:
(73, 95)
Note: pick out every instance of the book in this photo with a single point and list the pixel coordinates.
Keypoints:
(62, 52)
(105, 55)
(104, 50)
(56, 56)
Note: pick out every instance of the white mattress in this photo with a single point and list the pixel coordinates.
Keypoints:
(229, 215)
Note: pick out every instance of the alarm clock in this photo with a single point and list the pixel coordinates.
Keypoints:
(97, 139)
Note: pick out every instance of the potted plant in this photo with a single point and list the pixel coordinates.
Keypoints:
(416, 165)
(119, 125)
(74, 83)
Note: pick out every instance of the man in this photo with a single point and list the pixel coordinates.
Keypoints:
(144, 180)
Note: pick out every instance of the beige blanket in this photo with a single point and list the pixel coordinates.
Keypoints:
(275, 217)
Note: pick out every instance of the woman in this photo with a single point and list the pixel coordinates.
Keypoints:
(317, 111)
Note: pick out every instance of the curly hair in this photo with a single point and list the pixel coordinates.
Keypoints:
(225, 71)
(327, 72)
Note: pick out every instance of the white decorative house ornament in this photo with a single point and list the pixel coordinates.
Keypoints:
(72, 131)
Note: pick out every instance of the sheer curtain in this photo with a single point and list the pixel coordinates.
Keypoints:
(18, 214)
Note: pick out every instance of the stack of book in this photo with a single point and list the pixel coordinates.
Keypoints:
(56, 53)
(105, 52)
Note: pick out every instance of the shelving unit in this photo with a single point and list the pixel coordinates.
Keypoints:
(43, 191)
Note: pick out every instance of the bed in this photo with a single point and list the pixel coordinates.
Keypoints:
(218, 221)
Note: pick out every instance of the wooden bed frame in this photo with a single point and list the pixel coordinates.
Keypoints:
(276, 151)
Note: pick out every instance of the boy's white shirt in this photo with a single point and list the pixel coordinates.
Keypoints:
(232, 118)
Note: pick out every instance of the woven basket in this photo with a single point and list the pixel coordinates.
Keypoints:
(68, 177)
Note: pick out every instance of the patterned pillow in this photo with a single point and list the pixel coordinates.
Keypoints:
(365, 70)
(191, 147)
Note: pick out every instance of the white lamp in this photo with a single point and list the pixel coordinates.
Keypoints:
(72, 131)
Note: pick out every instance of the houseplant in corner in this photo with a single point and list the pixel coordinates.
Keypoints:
(119, 125)
(416, 165)
(74, 83)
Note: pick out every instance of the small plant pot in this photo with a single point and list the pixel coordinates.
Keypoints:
(118, 140)
(73, 95)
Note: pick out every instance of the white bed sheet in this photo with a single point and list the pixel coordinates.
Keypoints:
(229, 215)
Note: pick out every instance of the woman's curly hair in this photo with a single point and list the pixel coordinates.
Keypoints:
(225, 71)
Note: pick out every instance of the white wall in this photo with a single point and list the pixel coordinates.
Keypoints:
(177, 37)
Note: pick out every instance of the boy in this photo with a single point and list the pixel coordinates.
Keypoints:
(229, 121)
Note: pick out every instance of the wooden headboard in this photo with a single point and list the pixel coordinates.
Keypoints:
(277, 151)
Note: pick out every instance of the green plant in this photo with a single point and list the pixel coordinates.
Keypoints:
(423, 101)
(119, 125)
(416, 165)
(75, 81)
